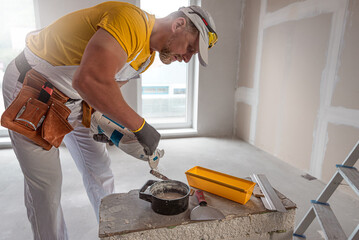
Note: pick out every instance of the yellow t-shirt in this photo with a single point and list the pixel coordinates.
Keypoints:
(63, 42)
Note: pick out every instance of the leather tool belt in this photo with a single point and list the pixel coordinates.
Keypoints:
(38, 111)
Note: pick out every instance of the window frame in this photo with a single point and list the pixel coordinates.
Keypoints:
(192, 68)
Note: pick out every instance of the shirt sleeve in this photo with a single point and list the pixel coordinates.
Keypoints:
(128, 27)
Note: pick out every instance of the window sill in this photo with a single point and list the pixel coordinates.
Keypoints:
(181, 132)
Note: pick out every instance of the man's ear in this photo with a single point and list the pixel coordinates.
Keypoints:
(178, 23)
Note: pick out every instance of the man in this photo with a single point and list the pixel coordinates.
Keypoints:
(88, 55)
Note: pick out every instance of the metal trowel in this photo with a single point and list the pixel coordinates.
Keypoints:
(204, 212)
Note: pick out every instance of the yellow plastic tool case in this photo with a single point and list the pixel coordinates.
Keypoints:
(224, 185)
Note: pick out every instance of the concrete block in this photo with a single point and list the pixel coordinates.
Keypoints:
(124, 216)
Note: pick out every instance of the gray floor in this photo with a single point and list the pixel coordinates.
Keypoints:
(229, 156)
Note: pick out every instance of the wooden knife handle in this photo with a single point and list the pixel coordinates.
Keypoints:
(158, 175)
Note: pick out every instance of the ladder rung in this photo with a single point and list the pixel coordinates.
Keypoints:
(298, 237)
(329, 222)
(351, 176)
(325, 215)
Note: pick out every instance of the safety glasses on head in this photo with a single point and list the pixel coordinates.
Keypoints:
(212, 35)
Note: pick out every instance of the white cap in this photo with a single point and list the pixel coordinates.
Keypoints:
(200, 22)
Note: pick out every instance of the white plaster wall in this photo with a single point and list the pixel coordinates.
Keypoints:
(337, 75)
(216, 82)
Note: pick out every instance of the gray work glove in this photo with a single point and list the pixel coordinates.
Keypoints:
(148, 137)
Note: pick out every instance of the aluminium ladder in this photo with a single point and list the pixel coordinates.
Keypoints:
(321, 209)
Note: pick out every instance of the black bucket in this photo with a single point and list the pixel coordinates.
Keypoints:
(168, 197)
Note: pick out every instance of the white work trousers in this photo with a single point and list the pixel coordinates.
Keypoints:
(42, 169)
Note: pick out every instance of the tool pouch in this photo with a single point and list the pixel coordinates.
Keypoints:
(55, 125)
(44, 123)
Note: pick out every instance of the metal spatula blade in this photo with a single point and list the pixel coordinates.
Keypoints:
(204, 212)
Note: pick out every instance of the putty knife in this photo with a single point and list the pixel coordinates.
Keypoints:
(204, 212)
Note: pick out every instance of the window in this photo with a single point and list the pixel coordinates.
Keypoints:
(167, 90)
(17, 19)
(179, 91)
(155, 90)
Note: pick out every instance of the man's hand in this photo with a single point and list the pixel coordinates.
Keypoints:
(148, 138)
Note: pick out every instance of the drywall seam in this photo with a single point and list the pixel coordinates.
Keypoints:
(241, 24)
(345, 116)
(255, 97)
(244, 94)
(295, 11)
(326, 113)
(300, 10)
(327, 84)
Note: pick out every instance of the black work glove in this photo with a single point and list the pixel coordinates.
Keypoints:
(148, 137)
(100, 137)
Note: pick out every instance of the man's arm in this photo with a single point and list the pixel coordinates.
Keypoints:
(95, 79)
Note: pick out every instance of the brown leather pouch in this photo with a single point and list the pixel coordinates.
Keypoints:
(32, 114)
(55, 125)
(44, 123)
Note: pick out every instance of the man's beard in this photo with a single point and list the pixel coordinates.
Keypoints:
(166, 55)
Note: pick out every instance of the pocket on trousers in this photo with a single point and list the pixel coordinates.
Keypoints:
(55, 125)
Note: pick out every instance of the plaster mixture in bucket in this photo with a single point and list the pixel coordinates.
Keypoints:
(168, 190)
(169, 195)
